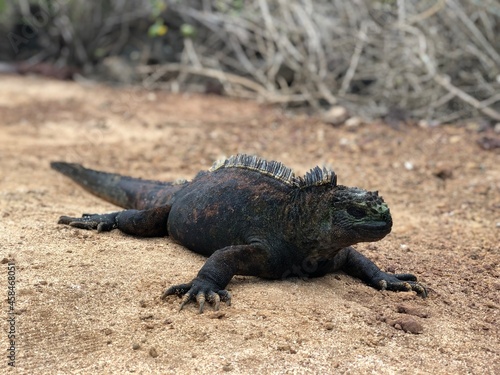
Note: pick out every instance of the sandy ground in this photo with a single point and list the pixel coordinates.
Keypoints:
(89, 303)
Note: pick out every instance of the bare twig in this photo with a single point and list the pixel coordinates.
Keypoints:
(358, 49)
(445, 81)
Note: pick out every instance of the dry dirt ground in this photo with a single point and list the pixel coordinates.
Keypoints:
(89, 303)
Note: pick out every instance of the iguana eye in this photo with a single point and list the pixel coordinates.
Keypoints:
(356, 212)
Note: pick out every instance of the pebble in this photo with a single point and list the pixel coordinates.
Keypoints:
(151, 97)
(329, 326)
(146, 316)
(286, 348)
(336, 115)
(353, 122)
(405, 308)
(217, 315)
(107, 331)
(153, 353)
(227, 367)
(443, 174)
(407, 324)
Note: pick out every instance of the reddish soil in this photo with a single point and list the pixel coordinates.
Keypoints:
(89, 302)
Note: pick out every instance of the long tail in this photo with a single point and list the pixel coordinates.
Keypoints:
(126, 192)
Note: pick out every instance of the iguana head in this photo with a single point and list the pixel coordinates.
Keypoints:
(358, 215)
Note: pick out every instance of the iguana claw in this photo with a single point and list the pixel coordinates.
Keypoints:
(200, 291)
(402, 282)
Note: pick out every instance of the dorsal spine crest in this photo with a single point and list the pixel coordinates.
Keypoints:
(315, 177)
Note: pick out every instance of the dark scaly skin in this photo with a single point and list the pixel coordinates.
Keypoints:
(247, 223)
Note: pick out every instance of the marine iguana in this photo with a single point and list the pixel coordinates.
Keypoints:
(250, 217)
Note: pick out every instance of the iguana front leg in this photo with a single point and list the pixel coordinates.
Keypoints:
(144, 223)
(357, 265)
(209, 285)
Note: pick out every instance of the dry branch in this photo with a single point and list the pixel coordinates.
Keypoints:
(356, 52)
(438, 59)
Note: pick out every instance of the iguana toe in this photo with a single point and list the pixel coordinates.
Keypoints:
(101, 223)
(199, 292)
(402, 282)
(406, 276)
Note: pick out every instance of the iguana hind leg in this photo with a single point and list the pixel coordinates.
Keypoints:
(143, 223)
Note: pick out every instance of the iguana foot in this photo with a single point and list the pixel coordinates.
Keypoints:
(200, 291)
(102, 223)
(400, 282)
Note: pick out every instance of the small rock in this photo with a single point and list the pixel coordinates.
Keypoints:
(116, 69)
(283, 348)
(407, 324)
(473, 126)
(408, 165)
(405, 308)
(424, 124)
(329, 326)
(491, 305)
(353, 122)
(390, 269)
(286, 348)
(344, 141)
(217, 315)
(136, 346)
(227, 367)
(151, 96)
(336, 115)
(5, 261)
(489, 143)
(107, 331)
(320, 135)
(146, 316)
(443, 174)
(153, 353)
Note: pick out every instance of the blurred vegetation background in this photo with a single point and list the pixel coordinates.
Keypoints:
(436, 60)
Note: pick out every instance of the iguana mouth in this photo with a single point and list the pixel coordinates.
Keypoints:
(375, 228)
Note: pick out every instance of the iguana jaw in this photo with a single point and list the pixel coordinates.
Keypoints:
(374, 230)
(375, 226)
